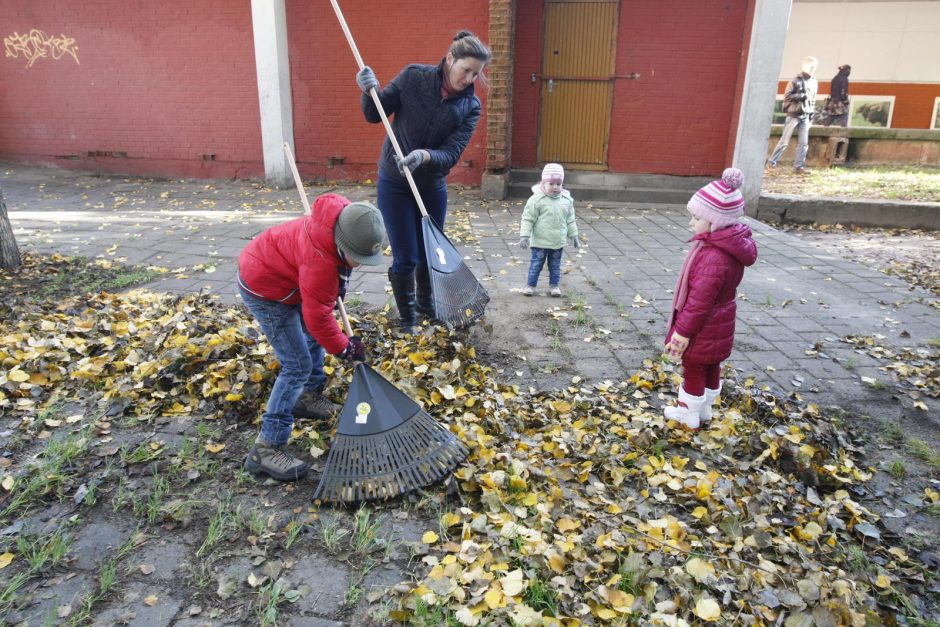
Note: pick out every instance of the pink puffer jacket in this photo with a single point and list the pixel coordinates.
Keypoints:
(708, 316)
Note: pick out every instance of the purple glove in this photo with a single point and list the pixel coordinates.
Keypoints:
(354, 351)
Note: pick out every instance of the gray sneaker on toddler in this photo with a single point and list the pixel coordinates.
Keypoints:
(555, 291)
(528, 290)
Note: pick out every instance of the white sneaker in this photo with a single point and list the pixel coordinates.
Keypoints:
(528, 290)
(555, 291)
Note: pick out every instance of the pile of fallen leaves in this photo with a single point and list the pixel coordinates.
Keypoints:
(577, 506)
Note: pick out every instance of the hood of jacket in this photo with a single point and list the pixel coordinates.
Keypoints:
(735, 240)
(323, 215)
(539, 194)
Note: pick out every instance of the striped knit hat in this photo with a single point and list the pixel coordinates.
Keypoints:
(720, 202)
(553, 172)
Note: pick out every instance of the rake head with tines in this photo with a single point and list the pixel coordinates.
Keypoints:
(459, 299)
(385, 444)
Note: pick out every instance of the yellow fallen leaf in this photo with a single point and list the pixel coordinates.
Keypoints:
(698, 568)
(5, 559)
(8, 483)
(429, 537)
(620, 600)
(233, 397)
(450, 519)
(707, 609)
(811, 531)
(493, 598)
(214, 448)
(566, 524)
(883, 581)
(151, 600)
(17, 375)
(606, 613)
(556, 562)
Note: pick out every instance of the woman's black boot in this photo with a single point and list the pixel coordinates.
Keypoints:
(425, 302)
(403, 288)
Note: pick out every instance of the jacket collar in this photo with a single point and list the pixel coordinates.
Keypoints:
(439, 75)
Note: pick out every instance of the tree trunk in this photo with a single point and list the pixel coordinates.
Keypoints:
(9, 252)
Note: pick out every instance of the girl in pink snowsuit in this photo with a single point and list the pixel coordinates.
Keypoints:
(701, 331)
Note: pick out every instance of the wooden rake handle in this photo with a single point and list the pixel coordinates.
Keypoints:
(345, 318)
(306, 203)
(378, 105)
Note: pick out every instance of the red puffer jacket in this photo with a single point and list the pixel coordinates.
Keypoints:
(297, 262)
(708, 316)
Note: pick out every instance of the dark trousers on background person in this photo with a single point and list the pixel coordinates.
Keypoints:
(539, 257)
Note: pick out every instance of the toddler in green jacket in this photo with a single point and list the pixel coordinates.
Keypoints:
(547, 222)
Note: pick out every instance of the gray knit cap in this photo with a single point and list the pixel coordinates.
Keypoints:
(360, 232)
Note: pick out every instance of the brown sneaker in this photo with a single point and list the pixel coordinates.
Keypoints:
(314, 405)
(275, 462)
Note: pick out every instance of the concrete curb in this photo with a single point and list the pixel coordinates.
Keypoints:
(786, 208)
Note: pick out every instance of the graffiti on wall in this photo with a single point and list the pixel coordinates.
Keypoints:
(36, 45)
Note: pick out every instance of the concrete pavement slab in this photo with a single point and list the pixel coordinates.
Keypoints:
(799, 294)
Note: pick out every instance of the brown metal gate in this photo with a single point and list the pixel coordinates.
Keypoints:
(577, 82)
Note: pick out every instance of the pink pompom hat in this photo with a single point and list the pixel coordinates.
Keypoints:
(720, 202)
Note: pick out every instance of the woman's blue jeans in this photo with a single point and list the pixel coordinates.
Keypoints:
(403, 221)
(539, 257)
(301, 359)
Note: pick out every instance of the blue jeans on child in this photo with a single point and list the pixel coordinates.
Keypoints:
(403, 221)
(539, 256)
(301, 359)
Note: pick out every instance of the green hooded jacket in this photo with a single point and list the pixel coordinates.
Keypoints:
(548, 222)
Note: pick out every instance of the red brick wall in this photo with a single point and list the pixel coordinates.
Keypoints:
(327, 119)
(677, 117)
(913, 102)
(525, 94)
(159, 84)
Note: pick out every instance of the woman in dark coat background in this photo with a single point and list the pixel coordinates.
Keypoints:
(837, 108)
(435, 113)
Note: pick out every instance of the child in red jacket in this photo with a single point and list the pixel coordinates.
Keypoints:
(289, 278)
(701, 331)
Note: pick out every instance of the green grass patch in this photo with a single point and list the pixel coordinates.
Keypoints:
(895, 183)
(53, 277)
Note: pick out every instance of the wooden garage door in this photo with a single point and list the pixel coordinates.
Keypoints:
(577, 82)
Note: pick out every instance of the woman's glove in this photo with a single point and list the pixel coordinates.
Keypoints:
(354, 351)
(575, 242)
(413, 160)
(676, 346)
(366, 80)
(524, 242)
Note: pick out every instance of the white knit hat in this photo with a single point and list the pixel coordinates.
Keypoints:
(720, 202)
(553, 172)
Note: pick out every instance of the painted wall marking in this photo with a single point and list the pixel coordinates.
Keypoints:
(36, 44)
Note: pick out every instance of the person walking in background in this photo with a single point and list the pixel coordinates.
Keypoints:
(289, 278)
(435, 113)
(704, 307)
(547, 223)
(837, 106)
(799, 103)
